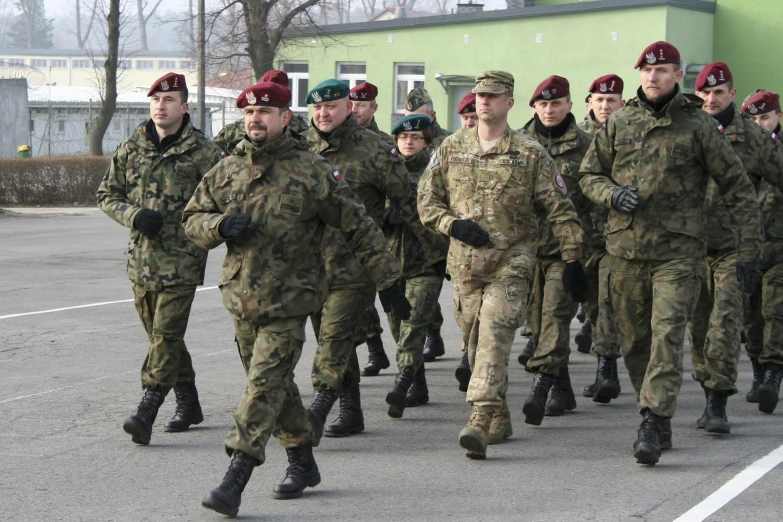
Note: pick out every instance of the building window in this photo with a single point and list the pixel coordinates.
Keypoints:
(80, 64)
(353, 73)
(167, 64)
(99, 64)
(61, 126)
(299, 82)
(407, 76)
(144, 64)
(187, 65)
(38, 63)
(59, 64)
(124, 64)
(116, 124)
(16, 61)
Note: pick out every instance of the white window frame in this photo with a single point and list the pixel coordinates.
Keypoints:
(38, 62)
(187, 65)
(16, 61)
(167, 64)
(352, 78)
(58, 63)
(81, 64)
(410, 78)
(145, 64)
(294, 78)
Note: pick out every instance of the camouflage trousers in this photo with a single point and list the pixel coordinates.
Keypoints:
(550, 310)
(423, 292)
(340, 328)
(488, 314)
(653, 302)
(764, 317)
(271, 404)
(164, 315)
(593, 280)
(715, 326)
(605, 342)
(374, 321)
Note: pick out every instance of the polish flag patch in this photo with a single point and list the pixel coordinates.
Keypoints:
(337, 175)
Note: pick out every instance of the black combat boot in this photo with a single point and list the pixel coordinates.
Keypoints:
(647, 448)
(418, 393)
(666, 434)
(528, 351)
(225, 499)
(433, 346)
(188, 410)
(377, 359)
(319, 409)
(302, 472)
(351, 419)
(396, 397)
(139, 425)
(717, 422)
(702, 421)
(607, 386)
(758, 377)
(463, 372)
(584, 337)
(535, 404)
(770, 388)
(581, 316)
(588, 390)
(561, 398)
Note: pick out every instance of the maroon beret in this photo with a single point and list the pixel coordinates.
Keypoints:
(364, 92)
(169, 82)
(716, 73)
(659, 53)
(467, 104)
(552, 88)
(275, 76)
(609, 84)
(265, 94)
(761, 102)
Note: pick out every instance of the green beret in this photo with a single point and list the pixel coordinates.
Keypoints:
(328, 90)
(416, 98)
(413, 122)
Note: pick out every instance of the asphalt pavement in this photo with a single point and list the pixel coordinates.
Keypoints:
(69, 377)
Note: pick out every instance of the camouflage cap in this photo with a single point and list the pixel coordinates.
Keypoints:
(416, 98)
(494, 82)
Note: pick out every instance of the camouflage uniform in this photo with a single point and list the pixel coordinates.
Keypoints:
(715, 326)
(656, 251)
(164, 269)
(373, 126)
(550, 308)
(496, 189)
(421, 280)
(274, 275)
(232, 134)
(590, 125)
(438, 134)
(375, 172)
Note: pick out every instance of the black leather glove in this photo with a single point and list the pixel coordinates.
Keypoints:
(233, 225)
(394, 216)
(749, 276)
(625, 199)
(469, 233)
(440, 268)
(394, 298)
(148, 222)
(575, 281)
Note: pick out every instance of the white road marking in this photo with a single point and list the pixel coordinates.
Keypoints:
(742, 481)
(97, 379)
(11, 316)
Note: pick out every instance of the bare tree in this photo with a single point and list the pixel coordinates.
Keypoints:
(83, 38)
(141, 5)
(370, 7)
(109, 94)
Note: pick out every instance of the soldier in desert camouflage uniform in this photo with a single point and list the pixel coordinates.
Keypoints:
(270, 203)
(479, 189)
(151, 178)
(650, 167)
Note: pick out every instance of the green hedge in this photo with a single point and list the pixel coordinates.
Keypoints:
(63, 180)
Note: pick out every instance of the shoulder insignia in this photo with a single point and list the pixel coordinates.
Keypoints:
(223, 154)
(394, 151)
(721, 129)
(559, 181)
(433, 161)
(775, 137)
(337, 175)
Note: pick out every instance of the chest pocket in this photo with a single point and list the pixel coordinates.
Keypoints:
(680, 152)
(133, 172)
(514, 188)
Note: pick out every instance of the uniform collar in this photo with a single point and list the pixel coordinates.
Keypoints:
(418, 162)
(501, 147)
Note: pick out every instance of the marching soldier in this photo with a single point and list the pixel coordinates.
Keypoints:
(650, 166)
(479, 189)
(151, 178)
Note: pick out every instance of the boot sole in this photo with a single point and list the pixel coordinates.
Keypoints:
(767, 399)
(340, 434)
(719, 428)
(534, 413)
(135, 431)
(179, 428)
(474, 444)
(583, 344)
(220, 507)
(499, 440)
(296, 494)
(605, 394)
(646, 456)
(370, 373)
(414, 404)
(396, 402)
(463, 377)
(557, 412)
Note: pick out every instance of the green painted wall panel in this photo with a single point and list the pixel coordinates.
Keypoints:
(691, 32)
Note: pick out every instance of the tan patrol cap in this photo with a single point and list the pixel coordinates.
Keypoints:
(494, 82)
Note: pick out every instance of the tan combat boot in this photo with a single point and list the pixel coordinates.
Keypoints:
(500, 428)
(473, 437)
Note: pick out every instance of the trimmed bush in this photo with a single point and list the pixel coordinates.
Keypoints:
(59, 180)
